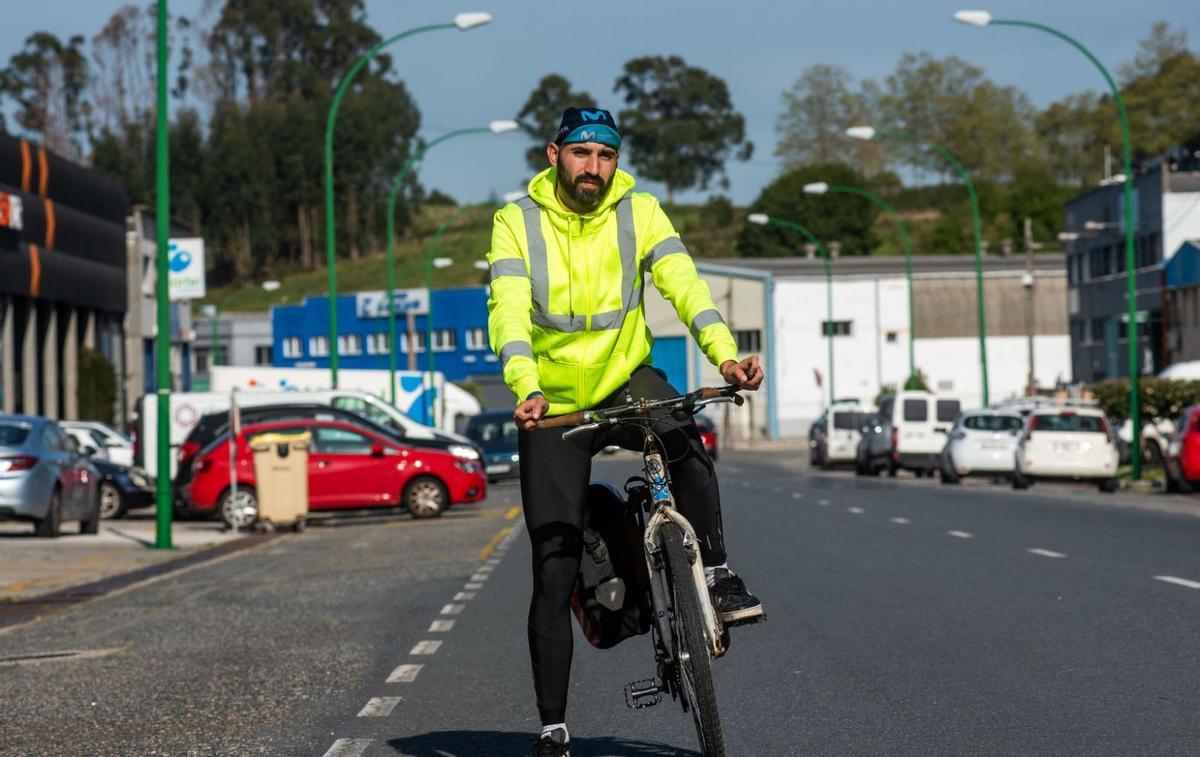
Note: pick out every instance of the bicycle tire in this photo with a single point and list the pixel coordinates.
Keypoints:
(687, 625)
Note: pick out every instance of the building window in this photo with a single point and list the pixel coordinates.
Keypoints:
(377, 344)
(350, 344)
(292, 347)
(892, 336)
(201, 361)
(477, 339)
(838, 328)
(1097, 329)
(263, 354)
(413, 341)
(318, 346)
(444, 340)
(748, 340)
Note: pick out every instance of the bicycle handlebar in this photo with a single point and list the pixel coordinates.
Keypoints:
(690, 401)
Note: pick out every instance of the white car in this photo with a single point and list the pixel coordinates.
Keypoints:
(982, 443)
(1074, 444)
(108, 443)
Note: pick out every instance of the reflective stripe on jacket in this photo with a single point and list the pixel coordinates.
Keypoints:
(565, 311)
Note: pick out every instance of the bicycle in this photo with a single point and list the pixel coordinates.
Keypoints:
(686, 632)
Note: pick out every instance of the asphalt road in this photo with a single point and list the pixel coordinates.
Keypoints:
(905, 619)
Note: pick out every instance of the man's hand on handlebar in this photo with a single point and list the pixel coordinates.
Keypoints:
(747, 374)
(529, 412)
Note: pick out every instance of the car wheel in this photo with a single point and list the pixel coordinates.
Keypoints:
(91, 524)
(239, 512)
(1019, 481)
(111, 504)
(892, 470)
(425, 497)
(1109, 485)
(950, 476)
(49, 526)
(1154, 455)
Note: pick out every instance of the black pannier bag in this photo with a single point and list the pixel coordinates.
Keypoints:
(612, 592)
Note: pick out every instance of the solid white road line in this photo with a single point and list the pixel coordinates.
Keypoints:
(961, 534)
(426, 647)
(855, 510)
(1179, 581)
(472, 586)
(1044, 552)
(464, 596)
(348, 747)
(453, 609)
(901, 521)
(405, 674)
(379, 707)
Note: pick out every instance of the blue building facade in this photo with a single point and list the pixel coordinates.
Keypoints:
(460, 341)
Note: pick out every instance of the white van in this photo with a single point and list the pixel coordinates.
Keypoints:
(921, 424)
(840, 430)
(188, 407)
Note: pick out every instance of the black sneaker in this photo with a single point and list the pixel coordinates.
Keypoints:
(553, 744)
(733, 603)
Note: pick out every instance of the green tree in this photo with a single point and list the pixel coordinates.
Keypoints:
(540, 115)
(1035, 194)
(680, 127)
(47, 79)
(817, 110)
(97, 386)
(846, 219)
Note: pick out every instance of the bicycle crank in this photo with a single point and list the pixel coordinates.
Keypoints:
(642, 694)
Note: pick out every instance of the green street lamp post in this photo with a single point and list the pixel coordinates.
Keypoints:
(213, 312)
(162, 340)
(983, 18)
(868, 133)
(820, 188)
(432, 262)
(463, 22)
(762, 219)
(495, 127)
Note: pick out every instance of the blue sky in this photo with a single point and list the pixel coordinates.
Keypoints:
(758, 46)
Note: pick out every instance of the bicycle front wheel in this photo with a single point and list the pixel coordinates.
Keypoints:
(691, 651)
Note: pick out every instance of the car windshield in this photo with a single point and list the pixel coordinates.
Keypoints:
(849, 420)
(992, 422)
(12, 434)
(494, 434)
(1068, 422)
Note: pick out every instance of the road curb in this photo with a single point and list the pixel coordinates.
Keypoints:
(26, 610)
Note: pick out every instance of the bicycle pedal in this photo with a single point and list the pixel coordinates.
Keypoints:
(642, 694)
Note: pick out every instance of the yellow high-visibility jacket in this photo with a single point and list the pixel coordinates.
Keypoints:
(565, 311)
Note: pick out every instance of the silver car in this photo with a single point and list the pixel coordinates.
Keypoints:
(44, 478)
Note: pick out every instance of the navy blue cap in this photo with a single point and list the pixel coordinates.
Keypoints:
(588, 125)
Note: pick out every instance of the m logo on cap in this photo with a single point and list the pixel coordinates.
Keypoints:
(587, 136)
(591, 115)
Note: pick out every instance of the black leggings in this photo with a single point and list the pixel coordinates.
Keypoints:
(554, 481)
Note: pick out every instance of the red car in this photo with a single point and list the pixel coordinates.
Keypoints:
(708, 435)
(1183, 454)
(348, 467)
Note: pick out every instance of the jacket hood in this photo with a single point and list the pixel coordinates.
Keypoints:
(542, 186)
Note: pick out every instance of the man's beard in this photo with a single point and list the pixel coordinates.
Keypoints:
(585, 198)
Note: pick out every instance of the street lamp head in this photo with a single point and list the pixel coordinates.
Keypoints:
(481, 265)
(466, 21)
(973, 18)
(270, 286)
(503, 127)
(443, 262)
(762, 219)
(865, 133)
(816, 188)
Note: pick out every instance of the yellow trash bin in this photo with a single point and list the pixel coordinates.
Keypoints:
(281, 477)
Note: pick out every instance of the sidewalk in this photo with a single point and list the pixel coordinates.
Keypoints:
(30, 566)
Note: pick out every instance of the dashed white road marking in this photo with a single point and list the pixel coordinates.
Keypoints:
(426, 647)
(823, 502)
(493, 562)
(472, 586)
(479, 577)
(348, 747)
(778, 490)
(453, 609)
(901, 521)
(379, 707)
(855, 510)
(961, 534)
(1179, 581)
(797, 495)
(405, 674)
(464, 596)
(485, 568)
(438, 626)
(1044, 552)
(745, 484)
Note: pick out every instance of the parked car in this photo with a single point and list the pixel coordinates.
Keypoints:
(1071, 444)
(108, 443)
(44, 478)
(708, 435)
(497, 434)
(122, 488)
(920, 426)
(841, 430)
(982, 443)
(1182, 461)
(349, 466)
(874, 452)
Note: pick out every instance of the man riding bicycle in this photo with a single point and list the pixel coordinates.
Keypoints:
(566, 318)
